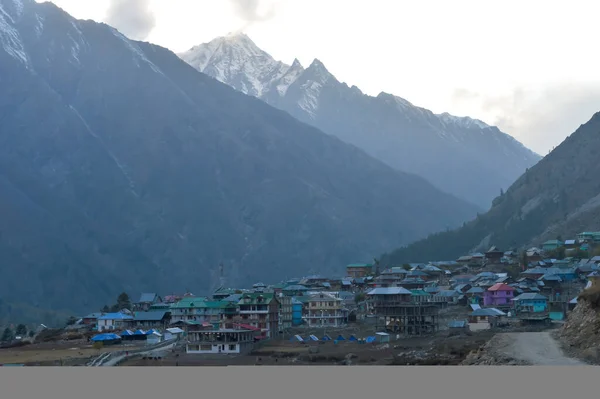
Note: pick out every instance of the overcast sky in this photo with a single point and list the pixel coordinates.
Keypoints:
(530, 67)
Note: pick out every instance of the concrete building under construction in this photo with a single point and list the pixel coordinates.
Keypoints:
(398, 313)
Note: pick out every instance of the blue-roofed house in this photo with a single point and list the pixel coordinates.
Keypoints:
(159, 318)
(114, 321)
(458, 326)
(530, 303)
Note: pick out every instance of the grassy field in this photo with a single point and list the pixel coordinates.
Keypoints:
(69, 353)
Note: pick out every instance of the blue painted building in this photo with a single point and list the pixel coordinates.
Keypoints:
(296, 312)
(530, 302)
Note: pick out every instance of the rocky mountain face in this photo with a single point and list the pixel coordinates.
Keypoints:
(559, 196)
(581, 331)
(124, 168)
(460, 155)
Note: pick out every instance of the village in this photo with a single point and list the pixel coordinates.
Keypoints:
(369, 314)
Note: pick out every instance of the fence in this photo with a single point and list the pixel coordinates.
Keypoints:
(114, 358)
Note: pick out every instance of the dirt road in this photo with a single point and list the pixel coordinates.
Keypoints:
(535, 348)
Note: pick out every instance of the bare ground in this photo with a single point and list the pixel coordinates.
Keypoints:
(525, 348)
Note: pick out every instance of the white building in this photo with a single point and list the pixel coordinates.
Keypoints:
(223, 341)
(114, 321)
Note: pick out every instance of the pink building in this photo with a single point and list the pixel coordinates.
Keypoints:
(498, 295)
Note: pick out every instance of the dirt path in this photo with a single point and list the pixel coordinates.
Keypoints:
(535, 348)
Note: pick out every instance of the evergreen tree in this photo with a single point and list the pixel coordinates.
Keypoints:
(21, 330)
(123, 302)
(7, 335)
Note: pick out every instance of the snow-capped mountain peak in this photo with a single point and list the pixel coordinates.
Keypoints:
(405, 136)
(236, 58)
(463, 121)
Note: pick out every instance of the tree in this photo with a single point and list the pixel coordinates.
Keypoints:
(21, 330)
(359, 297)
(105, 309)
(31, 334)
(71, 320)
(123, 301)
(501, 192)
(406, 266)
(7, 335)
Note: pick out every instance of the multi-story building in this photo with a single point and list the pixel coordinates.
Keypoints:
(260, 310)
(200, 310)
(325, 310)
(357, 270)
(285, 312)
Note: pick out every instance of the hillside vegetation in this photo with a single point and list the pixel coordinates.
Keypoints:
(559, 196)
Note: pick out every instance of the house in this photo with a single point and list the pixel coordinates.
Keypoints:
(325, 310)
(446, 297)
(260, 310)
(571, 244)
(153, 337)
(285, 312)
(589, 237)
(462, 279)
(222, 293)
(297, 307)
(412, 283)
(594, 279)
(356, 270)
(457, 327)
(223, 341)
(475, 292)
(91, 319)
(151, 319)
(477, 258)
(418, 274)
(484, 319)
(530, 303)
(114, 321)
(493, 255)
(551, 245)
(173, 333)
(498, 295)
(295, 289)
(146, 301)
(465, 260)
(187, 309)
(534, 255)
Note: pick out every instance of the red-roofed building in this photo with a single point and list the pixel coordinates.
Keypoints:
(498, 295)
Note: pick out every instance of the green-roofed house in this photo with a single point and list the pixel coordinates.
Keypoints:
(359, 270)
(188, 309)
(260, 310)
(551, 245)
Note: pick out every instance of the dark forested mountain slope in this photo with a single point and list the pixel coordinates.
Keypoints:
(560, 196)
(123, 168)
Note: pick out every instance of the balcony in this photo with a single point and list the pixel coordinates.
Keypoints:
(254, 312)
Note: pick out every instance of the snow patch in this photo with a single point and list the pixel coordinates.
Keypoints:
(39, 26)
(463, 121)
(10, 38)
(310, 100)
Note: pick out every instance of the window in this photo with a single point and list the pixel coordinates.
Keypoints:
(232, 347)
(205, 347)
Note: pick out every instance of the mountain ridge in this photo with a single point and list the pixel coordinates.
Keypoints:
(439, 147)
(122, 168)
(558, 197)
